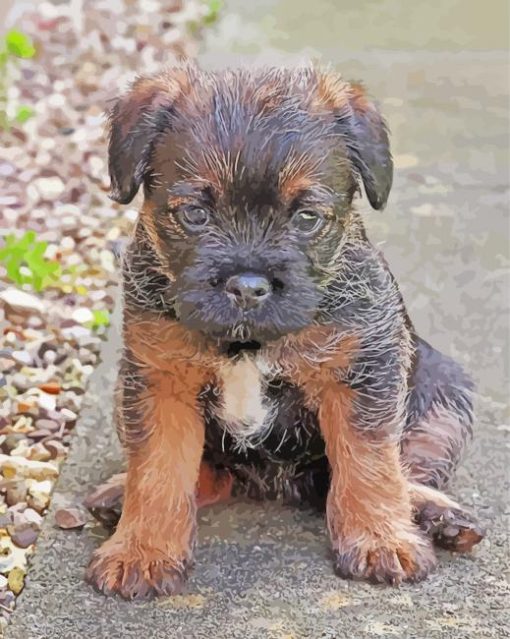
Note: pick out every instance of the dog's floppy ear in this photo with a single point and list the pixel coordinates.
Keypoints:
(364, 133)
(369, 147)
(134, 122)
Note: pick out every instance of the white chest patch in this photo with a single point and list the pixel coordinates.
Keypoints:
(244, 407)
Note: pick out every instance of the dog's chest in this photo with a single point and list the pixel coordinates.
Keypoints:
(254, 416)
(244, 407)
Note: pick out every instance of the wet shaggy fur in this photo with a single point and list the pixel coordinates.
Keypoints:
(319, 391)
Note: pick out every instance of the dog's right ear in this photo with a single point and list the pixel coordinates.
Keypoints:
(135, 120)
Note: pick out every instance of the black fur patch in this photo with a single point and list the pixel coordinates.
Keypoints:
(289, 464)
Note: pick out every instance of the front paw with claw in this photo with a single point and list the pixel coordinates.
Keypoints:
(134, 571)
(391, 559)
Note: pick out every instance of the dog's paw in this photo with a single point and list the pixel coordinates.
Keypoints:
(408, 558)
(451, 528)
(134, 572)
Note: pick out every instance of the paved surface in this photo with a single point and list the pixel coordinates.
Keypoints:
(263, 571)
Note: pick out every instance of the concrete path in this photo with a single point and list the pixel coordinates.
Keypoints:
(263, 571)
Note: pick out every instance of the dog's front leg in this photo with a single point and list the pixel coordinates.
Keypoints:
(163, 433)
(369, 509)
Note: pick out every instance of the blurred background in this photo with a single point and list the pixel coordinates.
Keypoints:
(441, 76)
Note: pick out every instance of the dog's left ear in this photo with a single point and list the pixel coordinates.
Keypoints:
(366, 136)
(364, 133)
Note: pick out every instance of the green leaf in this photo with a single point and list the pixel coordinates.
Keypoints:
(12, 268)
(19, 44)
(28, 252)
(213, 11)
(24, 241)
(214, 5)
(24, 113)
(100, 318)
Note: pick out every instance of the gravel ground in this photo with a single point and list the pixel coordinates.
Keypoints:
(53, 180)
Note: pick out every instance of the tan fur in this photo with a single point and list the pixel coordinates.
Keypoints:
(421, 495)
(161, 478)
(369, 506)
(332, 91)
(163, 344)
(163, 466)
(213, 486)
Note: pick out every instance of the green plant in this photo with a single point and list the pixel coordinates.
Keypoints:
(210, 14)
(15, 45)
(101, 318)
(24, 261)
(213, 11)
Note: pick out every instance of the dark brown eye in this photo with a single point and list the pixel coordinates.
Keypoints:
(194, 217)
(307, 221)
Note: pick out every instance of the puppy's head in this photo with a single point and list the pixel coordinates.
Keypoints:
(248, 180)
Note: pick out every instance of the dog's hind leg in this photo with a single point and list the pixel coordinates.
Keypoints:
(448, 524)
(213, 485)
(105, 502)
(439, 425)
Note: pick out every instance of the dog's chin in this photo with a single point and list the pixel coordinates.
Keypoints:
(244, 336)
(224, 324)
(233, 349)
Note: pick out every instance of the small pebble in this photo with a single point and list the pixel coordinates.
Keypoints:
(24, 535)
(24, 406)
(15, 492)
(47, 424)
(20, 382)
(22, 357)
(55, 449)
(11, 556)
(6, 365)
(11, 441)
(21, 301)
(75, 333)
(19, 466)
(39, 452)
(16, 580)
(6, 597)
(38, 501)
(40, 433)
(68, 518)
(82, 315)
(68, 415)
(49, 357)
(53, 388)
(30, 515)
(6, 519)
(49, 188)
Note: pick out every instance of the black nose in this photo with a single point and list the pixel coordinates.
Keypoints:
(248, 290)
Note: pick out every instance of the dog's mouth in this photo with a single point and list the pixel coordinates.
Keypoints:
(233, 349)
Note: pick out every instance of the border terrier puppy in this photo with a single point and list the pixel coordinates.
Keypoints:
(267, 348)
